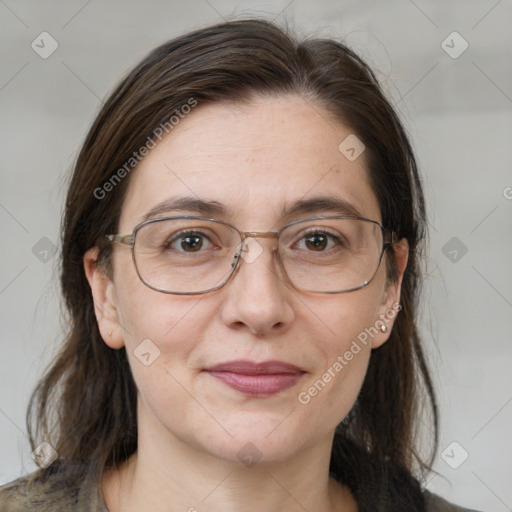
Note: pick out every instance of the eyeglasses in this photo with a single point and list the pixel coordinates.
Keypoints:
(190, 255)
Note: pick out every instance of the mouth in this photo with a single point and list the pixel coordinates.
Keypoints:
(257, 379)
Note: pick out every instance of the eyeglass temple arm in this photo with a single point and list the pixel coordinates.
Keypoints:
(121, 239)
(390, 237)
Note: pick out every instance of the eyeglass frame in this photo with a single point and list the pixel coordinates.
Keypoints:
(389, 237)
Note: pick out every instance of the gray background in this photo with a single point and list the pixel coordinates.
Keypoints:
(457, 110)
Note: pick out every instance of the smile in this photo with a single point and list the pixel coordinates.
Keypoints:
(257, 379)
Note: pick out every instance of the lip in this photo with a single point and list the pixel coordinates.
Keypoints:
(257, 379)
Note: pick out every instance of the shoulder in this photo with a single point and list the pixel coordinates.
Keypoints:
(30, 492)
(39, 491)
(49, 490)
(435, 503)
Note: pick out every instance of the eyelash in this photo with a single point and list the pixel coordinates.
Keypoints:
(311, 231)
(183, 234)
(319, 231)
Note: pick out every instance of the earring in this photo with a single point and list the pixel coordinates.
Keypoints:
(383, 328)
(110, 333)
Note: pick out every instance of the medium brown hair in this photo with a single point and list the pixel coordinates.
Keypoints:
(85, 404)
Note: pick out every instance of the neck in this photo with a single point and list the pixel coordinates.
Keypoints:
(174, 476)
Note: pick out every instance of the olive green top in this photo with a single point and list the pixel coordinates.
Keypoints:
(53, 495)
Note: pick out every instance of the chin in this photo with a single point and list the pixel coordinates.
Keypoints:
(251, 446)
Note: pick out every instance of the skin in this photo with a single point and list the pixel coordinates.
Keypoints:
(253, 158)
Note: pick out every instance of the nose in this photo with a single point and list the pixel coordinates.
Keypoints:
(258, 297)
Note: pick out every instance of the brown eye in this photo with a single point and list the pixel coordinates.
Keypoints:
(319, 241)
(316, 242)
(194, 243)
(188, 241)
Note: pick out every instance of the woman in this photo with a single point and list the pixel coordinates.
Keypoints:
(242, 244)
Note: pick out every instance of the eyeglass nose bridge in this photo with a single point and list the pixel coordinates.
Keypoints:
(255, 234)
(259, 234)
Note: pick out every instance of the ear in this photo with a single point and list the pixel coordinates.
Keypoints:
(105, 305)
(390, 304)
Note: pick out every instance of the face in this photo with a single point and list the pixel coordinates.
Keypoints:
(255, 160)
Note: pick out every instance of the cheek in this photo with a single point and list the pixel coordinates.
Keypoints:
(160, 334)
(148, 314)
(331, 393)
(167, 325)
(344, 321)
(160, 331)
(343, 352)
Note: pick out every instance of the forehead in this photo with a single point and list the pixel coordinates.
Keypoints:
(256, 159)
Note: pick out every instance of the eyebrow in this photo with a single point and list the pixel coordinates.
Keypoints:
(215, 209)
